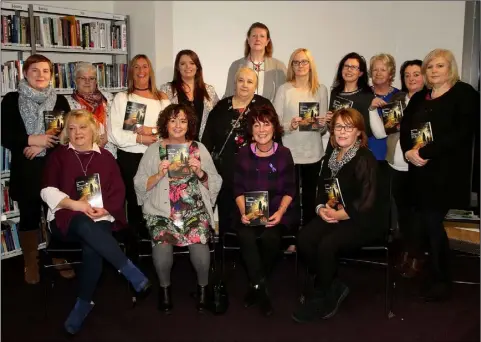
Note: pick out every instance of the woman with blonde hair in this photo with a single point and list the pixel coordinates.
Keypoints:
(443, 117)
(131, 137)
(303, 94)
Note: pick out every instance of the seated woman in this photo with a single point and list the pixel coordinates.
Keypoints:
(265, 166)
(178, 207)
(348, 224)
(87, 219)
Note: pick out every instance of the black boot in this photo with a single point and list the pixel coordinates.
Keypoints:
(202, 298)
(165, 300)
(252, 296)
(265, 304)
(334, 297)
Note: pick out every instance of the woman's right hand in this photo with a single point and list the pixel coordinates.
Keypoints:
(323, 213)
(42, 140)
(412, 156)
(164, 167)
(244, 219)
(146, 139)
(295, 122)
(377, 102)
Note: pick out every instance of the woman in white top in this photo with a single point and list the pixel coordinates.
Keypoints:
(411, 82)
(303, 92)
(131, 143)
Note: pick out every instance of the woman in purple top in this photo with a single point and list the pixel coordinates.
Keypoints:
(79, 215)
(264, 166)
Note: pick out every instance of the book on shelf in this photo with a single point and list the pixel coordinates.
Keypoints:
(257, 207)
(392, 114)
(341, 102)
(458, 214)
(134, 115)
(334, 194)
(12, 73)
(8, 204)
(422, 135)
(15, 30)
(10, 241)
(88, 188)
(308, 112)
(54, 121)
(178, 155)
(6, 156)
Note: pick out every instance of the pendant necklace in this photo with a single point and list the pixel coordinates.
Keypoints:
(81, 165)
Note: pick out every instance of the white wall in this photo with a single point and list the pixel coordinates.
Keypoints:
(216, 30)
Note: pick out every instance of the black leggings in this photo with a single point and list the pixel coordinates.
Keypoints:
(308, 174)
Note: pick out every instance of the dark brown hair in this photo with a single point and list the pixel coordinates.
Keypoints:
(36, 58)
(264, 114)
(349, 116)
(269, 47)
(172, 111)
(199, 85)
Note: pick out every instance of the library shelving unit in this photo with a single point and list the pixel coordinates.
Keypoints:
(65, 36)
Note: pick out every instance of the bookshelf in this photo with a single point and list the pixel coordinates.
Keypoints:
(65, 36)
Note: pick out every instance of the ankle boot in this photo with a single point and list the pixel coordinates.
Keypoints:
(252, 295)
(77, 316)
(265, 304)
(413, 268)
(403, 262)
(202, 298)
(29, 243)
(165, 300)
(138, 280)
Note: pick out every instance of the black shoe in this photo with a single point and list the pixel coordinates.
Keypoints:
(202, 298)
(312, 308)
(334, 298)
(165, 300)
(265, 304)
(252, 296)
(437, 292)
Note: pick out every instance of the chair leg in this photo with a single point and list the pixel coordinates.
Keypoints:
(390, 286)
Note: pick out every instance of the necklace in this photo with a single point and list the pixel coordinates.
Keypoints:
(141, 89)
(81, 165)
(257, 66)
(268, 150)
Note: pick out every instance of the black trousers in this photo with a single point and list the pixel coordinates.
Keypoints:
(259, 248)
(307, 174)
(30, 213)
(319, 244)
(400, 186)
(227, 209)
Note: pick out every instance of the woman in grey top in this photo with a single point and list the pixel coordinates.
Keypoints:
(271, 73)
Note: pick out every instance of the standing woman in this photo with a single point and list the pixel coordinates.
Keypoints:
(439, 171)
(258, 50)
(303, 86)
(88, 96)
(23, 133)
(131, 145)
(188, 87)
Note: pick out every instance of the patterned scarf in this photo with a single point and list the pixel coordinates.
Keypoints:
(32, 103)
(93, 102)
(335, 165)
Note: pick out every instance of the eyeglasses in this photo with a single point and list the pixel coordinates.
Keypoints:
(88, 79)
(348, 129)
(304, 62)
(350, 67)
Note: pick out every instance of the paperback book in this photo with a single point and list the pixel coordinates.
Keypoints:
(341, 102)
(422, 136)
(88, 188)
(308, 112)
(334, 194)
(54, 121)
(392, 114)
(257, 207)
(178, 155)
(134, 115)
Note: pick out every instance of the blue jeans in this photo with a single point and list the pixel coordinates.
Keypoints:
(97, 244)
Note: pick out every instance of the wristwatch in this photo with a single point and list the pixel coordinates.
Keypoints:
(154, 131)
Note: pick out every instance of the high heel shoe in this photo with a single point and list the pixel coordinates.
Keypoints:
(165, 300)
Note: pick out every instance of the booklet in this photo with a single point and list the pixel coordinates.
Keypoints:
(178, 155)
(257, 207)
(134, 115)
(334, 194)
(341, 102)
(422, 135)
(309, 112)
(88, 187)
(54, 121)
(392, 114)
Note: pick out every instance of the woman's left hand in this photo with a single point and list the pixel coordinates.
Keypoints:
(194, 164)
(103, 140)
(275, 219)
(412, 156)
(31, 152)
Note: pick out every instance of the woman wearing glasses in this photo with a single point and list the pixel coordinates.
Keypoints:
(258, 49)
(88, 96)
(303, 93)
(347, 214)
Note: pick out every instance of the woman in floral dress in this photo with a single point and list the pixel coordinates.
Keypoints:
(177, 185)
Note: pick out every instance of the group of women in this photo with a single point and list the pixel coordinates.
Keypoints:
(248, 141)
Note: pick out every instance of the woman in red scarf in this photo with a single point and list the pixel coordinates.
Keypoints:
(88, 96)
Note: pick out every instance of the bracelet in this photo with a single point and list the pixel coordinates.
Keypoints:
(204, 177)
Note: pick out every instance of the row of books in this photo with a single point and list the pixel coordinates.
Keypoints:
(9, 236)
(8, 205)
(6, 158)
(67, 31)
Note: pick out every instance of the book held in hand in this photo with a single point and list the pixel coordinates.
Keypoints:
(309, 112)
(88, 188)
(334, 194)
(422, 136)
(341, 102)
(257, 207)
(54, 121)
(178, 155)
(392, 114)
(134, 115)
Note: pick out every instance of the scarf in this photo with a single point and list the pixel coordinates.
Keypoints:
(336, 165)
(93, 102)
(32, 103)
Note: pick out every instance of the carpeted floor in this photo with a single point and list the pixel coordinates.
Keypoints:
(360, 318)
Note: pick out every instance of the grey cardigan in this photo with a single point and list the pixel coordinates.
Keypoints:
(156, 200)
(274, 76)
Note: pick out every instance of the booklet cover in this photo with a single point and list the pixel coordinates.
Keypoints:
(257, 207)
(341, 102)
(134, 115)
(392, 114)
(334, 194)
(178, 155)
(422, 136)
(54, 121)
(88, 187)
(308, 111)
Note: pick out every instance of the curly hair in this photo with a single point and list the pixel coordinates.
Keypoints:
(172, 111)
(264, 114)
